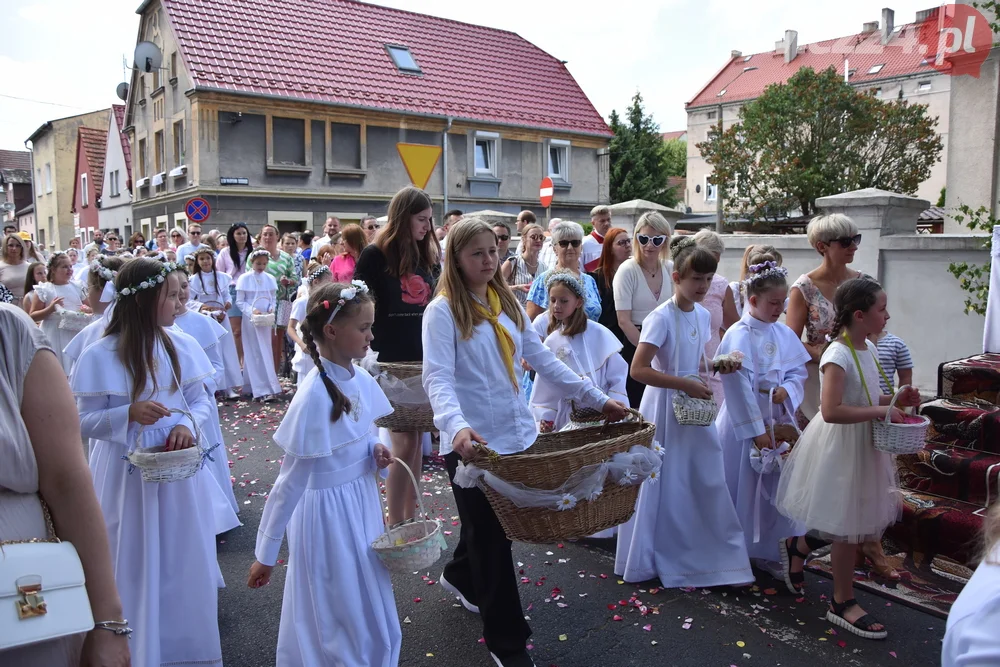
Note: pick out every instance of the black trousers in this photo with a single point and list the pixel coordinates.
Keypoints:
(633, 388)
(482, 568)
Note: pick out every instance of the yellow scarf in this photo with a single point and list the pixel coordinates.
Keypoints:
(504, 339)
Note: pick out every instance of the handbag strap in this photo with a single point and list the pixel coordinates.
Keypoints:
(50, 528)
(857, 363)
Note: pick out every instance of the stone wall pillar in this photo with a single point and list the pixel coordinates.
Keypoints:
(625, 214)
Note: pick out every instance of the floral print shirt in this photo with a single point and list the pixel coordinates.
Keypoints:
(538, 294)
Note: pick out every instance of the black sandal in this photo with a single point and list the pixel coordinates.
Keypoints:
(794, 581)
(860, 627)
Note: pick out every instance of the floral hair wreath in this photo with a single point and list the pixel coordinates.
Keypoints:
(104, 272)
(318, 273)
(259, 252)
(568, 279)
(149, 282)
(53, 257)
(346, 294)
(764, 270)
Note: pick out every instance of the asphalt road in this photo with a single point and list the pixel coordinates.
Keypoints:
(572, 598)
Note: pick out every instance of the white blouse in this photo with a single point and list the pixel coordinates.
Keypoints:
(972, 638)
(632, 291)
(468, 385)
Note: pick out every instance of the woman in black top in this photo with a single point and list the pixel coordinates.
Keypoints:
(400, 268)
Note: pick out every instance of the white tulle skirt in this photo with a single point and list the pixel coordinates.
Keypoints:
(837, 484)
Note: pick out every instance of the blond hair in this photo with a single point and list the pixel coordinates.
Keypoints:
(827, 228)
(452, 285)
(710, 241)
(660, 225)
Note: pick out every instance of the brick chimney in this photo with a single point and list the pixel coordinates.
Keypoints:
(926, 14)
(735, 54)
(871, 26)
(791, 44)
(888, 18)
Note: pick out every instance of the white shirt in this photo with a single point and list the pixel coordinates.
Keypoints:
(468, 385)
(972, 638)
(184, 249)
(591, 250)
(632, 291)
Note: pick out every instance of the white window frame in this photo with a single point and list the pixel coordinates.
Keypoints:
(711, 192)
(84, 199)
(48, 178)
(875, 69)
(923, 86)
(114, 183)
(563, 146)
(492, 141)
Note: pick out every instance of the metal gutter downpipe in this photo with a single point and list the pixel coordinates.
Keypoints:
(444, 166)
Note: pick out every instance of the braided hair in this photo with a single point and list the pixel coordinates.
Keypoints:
(689, 257)
(852, 295)
(322, 301)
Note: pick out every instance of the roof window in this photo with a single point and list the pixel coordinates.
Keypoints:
(403, 58)
(875, 69)
(747, 58)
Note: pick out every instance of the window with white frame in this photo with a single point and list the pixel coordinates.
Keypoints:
(923, 86)
(83, 190)
(113, 183)
(559, 159)
(709, 190)
(486, 154)
(48, 178)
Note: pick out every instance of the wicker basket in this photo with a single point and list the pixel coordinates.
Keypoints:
(412, 546)
(74, 320)
(899, 438)
(158, 465)
(406, 418)
(694, 411)
(547, 464)
(584, 415)
(261, 319)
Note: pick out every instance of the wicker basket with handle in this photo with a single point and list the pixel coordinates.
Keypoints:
(900, 438)
(158, 465)
(547, 464)
(412, 546)
(406, 417)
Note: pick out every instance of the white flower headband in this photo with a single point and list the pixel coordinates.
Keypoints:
(319, 273)
(149, 282)
(568, 279)
(102, 271)
(53, 257)
(259, 252)
(346, 294)
(763, 270)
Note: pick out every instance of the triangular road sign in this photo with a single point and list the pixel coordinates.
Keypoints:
(419, 160)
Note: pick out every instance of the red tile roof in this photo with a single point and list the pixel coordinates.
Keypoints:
(670, 136)
(94, 143)
(902, 56)
(15, 160)
(333, 51)
(119, 111)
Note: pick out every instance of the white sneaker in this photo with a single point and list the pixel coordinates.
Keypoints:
(516, 660)
(445, 584)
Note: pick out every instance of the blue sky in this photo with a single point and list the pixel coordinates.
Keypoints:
(63, 57)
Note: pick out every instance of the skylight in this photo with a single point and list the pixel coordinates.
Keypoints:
(403, 58)
(876, 69)
(747, 58)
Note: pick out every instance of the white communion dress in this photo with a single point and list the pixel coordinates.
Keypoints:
(205, 291)
(685, 529)
(338, 607)
(162, 540)
(73, 295)
(773, 357)
(257, 290)
(210, 335)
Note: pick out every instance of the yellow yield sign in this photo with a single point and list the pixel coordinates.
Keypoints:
(419, 160)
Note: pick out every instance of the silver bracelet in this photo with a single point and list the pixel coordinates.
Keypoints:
(118, 627)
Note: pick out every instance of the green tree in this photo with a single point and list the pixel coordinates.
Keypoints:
(675, 153)
(639, 166)
(815, 136)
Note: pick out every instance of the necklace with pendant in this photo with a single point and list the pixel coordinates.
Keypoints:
(693, 333)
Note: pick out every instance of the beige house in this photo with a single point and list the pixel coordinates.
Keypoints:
(882, 57)
(53, 157)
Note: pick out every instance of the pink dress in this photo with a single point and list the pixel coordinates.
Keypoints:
(713, 304)
(342, 268)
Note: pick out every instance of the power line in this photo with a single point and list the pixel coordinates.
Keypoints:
(27, 99)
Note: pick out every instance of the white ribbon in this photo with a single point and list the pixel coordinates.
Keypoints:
(625, 468)
(109, 293)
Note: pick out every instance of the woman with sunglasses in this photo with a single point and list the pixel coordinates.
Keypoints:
(520, 270)
(810, 308)
(641, 284)
(567, 237)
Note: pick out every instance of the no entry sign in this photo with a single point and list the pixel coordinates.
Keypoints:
(545, 191)
(197, 210)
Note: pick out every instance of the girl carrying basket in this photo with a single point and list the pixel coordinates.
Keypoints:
(474, 335)
(685, 529)
(210, 288)
(835, 482)
(162, 540)
(256, 291)
(327, 498)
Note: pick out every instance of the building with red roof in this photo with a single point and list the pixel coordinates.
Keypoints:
(116, 194)
(91, 145)
(291, 110)
(882, 57)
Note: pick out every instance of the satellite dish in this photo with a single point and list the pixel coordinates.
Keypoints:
(147, 56)
(8, 206)
(122, 91)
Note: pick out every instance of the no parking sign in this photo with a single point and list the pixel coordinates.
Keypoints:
(197, 210)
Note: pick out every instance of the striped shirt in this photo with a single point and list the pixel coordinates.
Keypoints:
(893, 355)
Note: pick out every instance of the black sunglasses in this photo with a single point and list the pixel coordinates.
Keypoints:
(657, 241)
(565, 244)
(847, 241)
(503, 237)
(371, 228)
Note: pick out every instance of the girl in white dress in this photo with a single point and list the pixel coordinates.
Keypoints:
(835, 482)
(101, 295)
(685, 529)
(60, 293)
(255, 295)
(162, 541)
(301, 363)
(588, 348)
(474, 334)
(774, 359)
(210, 333)
(338, 607)
(210, 288)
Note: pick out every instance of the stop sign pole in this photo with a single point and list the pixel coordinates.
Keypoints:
(545, 192)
